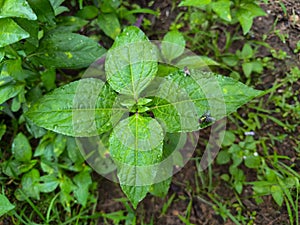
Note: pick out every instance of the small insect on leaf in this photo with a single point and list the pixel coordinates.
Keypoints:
(206, 118)
(186, 71)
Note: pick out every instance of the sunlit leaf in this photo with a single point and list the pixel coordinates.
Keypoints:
(16, 8)
(68, 50)
(10, 32)
(131, 63)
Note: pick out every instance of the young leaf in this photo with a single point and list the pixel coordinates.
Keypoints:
(247, 13)
(5, 205)
(9, 91)
(48, 183)
(82, 181)
(10, 32)
(110, 25)
(198, 3)
(222, 9)
(32, 27)
(16, 8)
(172, 45)
(68, 50)
(277, 194)
(194, 62)
(131, 63)
(30, 184)
(135, 146)
(82, 108)
(21, 148)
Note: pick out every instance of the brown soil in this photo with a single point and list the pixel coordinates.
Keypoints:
(183, 183)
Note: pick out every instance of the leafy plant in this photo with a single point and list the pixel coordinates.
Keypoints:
(138, 109)
(232, 11)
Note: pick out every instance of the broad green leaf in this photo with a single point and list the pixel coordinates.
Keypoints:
(21, 148)
(247, 52)
(82, 108)
(14, 69)
(135, 193)
(252, 161)
(5, 205)
(48, 77)
(89, 12)
(43, 9)
(9, 91)
(66, 186)
(277, 194)
(14, 168)
(59, 145)
(246, 13)
(194, 62)
(82, 181)
(10, 32)
(32, 27)
(48, 183)
(161, 189)
(16, 8)
(137, 141)
(131, 63)
(247, 68)
(198, 3)
(222, 9)
(73, 151)
(58, 9)
(68, 50)
(181, 100)
(110, 25)
(30, 184)
(250, 67)
(70, 23)
(223, 157)
(173, 45)
(245, 18)
(229, 138)
(136, 146)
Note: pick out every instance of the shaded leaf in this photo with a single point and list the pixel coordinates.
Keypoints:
(43, 9)
(82, 181)
(30, 184)
(21, 148)
(109, 23)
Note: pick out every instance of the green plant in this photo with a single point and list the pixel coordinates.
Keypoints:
(232, 11)
(132, 107)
